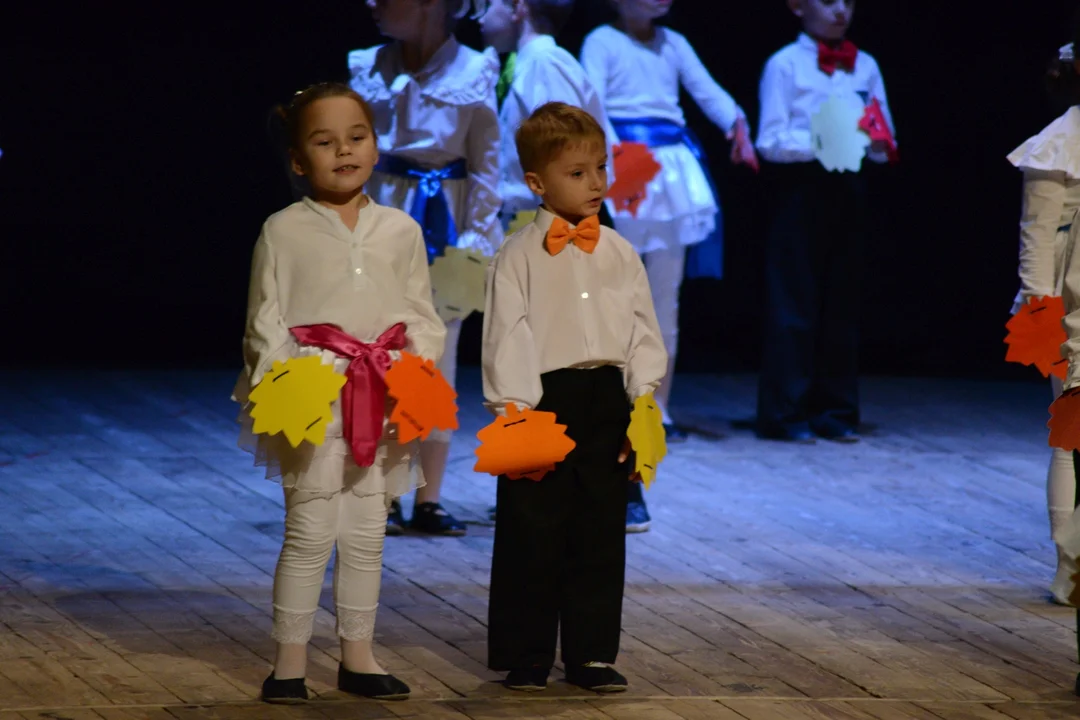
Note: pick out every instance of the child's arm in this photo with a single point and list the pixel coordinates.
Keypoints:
(1071, 295)
(266, 338)
(481, 229)
(1044, 198)
(647, 362)
(425, 330)
(777, 142)
(509, 352)
(877, 90)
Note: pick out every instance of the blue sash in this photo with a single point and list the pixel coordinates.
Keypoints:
(706, 258)
(429, 206)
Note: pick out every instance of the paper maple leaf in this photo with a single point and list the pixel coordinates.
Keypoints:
(424, 401)
(1064, 423)
(834, 129)
(873, 123)
(457, 280)
(295, 398)
(635, 167)
(1036, 335)
(523, 444)
(647, 437)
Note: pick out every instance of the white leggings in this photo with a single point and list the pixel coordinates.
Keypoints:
(665, 271)
(313, 527)
(1060, 480)
(448, 367)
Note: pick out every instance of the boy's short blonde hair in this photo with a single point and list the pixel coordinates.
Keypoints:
(550, 129)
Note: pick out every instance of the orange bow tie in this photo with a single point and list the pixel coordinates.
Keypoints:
(585, 235)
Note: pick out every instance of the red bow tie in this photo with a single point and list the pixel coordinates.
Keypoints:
(585, 235)
(842, 56)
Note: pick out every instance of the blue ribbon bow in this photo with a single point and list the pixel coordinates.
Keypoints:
(429, 206)
(706, 258)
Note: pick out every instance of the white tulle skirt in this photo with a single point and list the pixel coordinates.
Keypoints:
(679, 206)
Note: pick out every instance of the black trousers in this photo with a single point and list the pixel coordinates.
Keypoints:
(812, 283)
(560, 543)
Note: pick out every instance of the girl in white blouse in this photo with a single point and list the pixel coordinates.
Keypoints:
(1051, 196)
(436, 115)
(339, 276)
(637, 67)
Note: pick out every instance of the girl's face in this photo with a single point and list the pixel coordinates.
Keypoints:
(499, 24)
(401, 19)
(643, 9)
(336, 152)
(824, 19)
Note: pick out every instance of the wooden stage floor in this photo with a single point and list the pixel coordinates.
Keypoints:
(904, 577)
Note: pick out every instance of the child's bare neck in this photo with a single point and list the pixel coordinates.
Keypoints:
(416, 52)
(640, 28)
(827, 42)
(528, 34)
(570, 218)
(348, 206)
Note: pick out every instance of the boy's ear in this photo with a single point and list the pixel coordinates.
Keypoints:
(519, 10)
(796, 6)
(535, 183)
(294, 162)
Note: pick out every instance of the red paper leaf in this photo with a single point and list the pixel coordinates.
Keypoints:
(1064, 421)
(873, 123)
(635, 167)
(1036, 336)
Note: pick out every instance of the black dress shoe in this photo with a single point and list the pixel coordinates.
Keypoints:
(675, 434)
(527, 680)
(284, 692)
(395, 519)
(432, 519)
(790, 433)
(376, 687)
(598, 677)
(835, 431)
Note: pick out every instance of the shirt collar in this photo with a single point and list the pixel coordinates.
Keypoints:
(538, 44)
(442, 57)
(332, 215)
(807, 42)
(544, 218)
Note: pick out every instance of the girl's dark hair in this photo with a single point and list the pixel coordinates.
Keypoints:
(1062, 80)
(286, 123)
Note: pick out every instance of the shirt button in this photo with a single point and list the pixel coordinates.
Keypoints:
(359, 271)
(585, 296)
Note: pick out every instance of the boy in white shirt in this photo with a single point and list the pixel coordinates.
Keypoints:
(569, 328)
(809, 375)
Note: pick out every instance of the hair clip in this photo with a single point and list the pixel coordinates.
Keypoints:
(1066, 54)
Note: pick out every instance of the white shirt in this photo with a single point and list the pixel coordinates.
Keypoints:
(444, 112)
(1051, 165)
(793, 87)
(543, 73)
(575, 309)
(640, 79)
(308, 268)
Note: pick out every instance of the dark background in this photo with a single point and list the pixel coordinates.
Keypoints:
(137, 171)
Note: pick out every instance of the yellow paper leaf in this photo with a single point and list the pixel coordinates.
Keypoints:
(647, 437)
(295, 398)
(838, 142)
(457, 279)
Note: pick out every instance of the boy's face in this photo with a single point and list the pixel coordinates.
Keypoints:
(574, 183)
(824, 19)
(337, 150)
(643, 9)
(499, 24)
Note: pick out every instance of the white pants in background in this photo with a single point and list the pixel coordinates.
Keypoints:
(448, 367)
(664, 269)
(1061, 499)
(314, 526)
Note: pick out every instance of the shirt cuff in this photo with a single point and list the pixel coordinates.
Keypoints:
(472, 240)
(500, 408)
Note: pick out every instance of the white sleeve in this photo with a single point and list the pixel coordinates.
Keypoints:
(776, 141)
(647, 363)
(1044, 199)
(508, 355)
(425, 330)
(266, 337)
(1071, 296)
(481, 229)
(714, 101)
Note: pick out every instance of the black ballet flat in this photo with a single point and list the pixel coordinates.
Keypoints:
(376, 687)
(284, 692)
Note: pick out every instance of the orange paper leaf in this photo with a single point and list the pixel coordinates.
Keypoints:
(523, 444)
(1064, 421)
(1036, 336)
(424, 400)
(635, 167)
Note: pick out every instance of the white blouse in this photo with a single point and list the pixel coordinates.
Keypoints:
(640, 79)
(442, 113)
(543, 73)
(1051, 165)
(571, 310)
(793, 87)
(308, 268)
